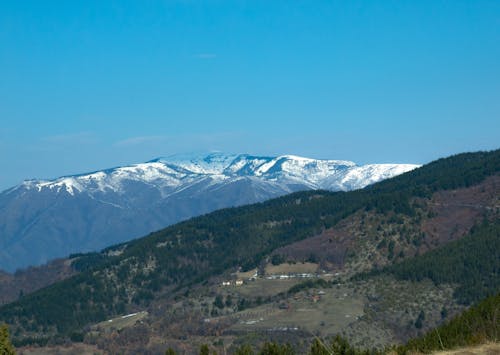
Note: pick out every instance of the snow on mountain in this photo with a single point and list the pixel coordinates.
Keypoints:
(44, 219)
(178, 170)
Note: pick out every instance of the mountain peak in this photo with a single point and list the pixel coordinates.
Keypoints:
(207, 163)
(93, 210)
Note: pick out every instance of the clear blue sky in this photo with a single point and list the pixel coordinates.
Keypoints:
(86, 85)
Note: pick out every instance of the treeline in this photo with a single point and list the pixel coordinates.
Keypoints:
(472, 262)
(319, 283)
(337, 346)
(193, 251)
(84, 262)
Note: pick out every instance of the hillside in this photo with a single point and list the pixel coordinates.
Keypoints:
(22, 282)
(472, 262)
(175, 273)
(44, 219)
(477, 325)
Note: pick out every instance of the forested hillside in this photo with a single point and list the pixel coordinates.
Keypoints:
(471, 262)
(130, 276)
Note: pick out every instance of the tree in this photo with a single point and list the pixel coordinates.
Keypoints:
(219, 302)
(319, 348)
(6, 347)
(277, 259)
(390, 249)
(420, 319)
(244, 350)
(444, 312)
(204, 350)
(341, 346)
(276, 349)
(229, 301)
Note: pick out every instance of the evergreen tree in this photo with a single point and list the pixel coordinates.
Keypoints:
(276, 349)
(219, 302)
(204, 350)
(6, 347)
(420, 319)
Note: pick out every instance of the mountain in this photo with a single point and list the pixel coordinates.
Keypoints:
(171, 287)
(41, 220)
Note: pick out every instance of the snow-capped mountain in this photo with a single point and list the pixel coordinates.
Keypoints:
(44, 219)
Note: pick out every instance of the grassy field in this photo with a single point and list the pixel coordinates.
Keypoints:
(320, 311)
(297, 268)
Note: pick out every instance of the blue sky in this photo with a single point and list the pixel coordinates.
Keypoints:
(86, 85)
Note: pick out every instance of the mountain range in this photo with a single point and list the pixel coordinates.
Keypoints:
(44, 219)
(377, 265)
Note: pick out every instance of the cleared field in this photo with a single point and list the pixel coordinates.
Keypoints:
(324, 312)
(263, 287)
(297, 268)
(246, 275)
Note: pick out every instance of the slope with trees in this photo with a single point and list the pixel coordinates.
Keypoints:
(472, 263)
(130, 276)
